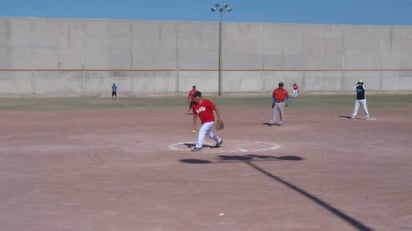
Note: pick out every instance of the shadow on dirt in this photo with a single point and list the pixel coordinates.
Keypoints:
(272, 124)
(240, 158)
(251, 159)
(350, 117)
(192, 145)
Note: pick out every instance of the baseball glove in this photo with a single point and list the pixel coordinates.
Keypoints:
(219, 125)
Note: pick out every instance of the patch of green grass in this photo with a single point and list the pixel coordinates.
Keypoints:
(89, 103)
(324, 101)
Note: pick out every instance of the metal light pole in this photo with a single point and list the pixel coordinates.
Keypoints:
(220, 9)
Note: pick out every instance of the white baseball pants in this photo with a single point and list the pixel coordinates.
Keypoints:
(294, 93)
(279, 107)
(206, 129)
(359, 102)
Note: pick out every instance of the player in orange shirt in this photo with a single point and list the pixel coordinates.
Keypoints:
(279, 98)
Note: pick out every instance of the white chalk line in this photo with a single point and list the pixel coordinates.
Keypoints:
(238, 146)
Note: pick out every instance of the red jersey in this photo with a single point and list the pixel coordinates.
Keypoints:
(205, 110)
(190, 95)
(280, 94)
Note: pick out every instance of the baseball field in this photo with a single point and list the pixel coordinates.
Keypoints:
(97, 164)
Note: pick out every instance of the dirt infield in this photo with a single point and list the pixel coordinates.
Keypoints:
(132, 170)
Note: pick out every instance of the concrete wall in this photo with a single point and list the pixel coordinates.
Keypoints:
(70, 57)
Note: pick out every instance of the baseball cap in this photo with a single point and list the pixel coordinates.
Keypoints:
(197, 94)
(280, 83)
(194, 86)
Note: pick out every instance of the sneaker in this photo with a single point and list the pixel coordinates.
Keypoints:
(196, 149)
(219, 143)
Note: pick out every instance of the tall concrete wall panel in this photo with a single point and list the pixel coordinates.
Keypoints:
(64, 84)
(373, 80)
(149, 83)
(322, 47)
(243, 81)
(271, 79)
(69, 57)
(12, 83)
(196, 46)
(206, 81)
(323, 81)
(398, 83)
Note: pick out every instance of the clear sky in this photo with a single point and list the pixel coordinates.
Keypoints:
(360, 12)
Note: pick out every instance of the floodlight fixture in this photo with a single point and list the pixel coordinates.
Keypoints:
(220, 8)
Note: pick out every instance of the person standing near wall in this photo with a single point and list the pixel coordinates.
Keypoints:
(191, 98)
(279, 98)
(114, 91)
(360, 89)
(295, 90)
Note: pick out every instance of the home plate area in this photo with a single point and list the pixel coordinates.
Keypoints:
(228, 146)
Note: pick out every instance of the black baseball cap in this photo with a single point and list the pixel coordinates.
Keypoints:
(197, 94)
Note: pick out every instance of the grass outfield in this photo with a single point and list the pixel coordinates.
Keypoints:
(138, 103)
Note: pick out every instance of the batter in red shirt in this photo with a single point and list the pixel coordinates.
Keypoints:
(204, 109)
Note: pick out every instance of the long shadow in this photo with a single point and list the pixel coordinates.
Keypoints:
(224, 159)
(355, 223)
(248, 159)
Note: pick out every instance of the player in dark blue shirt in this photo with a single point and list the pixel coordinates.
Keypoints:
(360, 89)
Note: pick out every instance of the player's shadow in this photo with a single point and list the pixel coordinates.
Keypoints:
(192, 145)
(251, 159)
(271, 124)
(349, 117)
